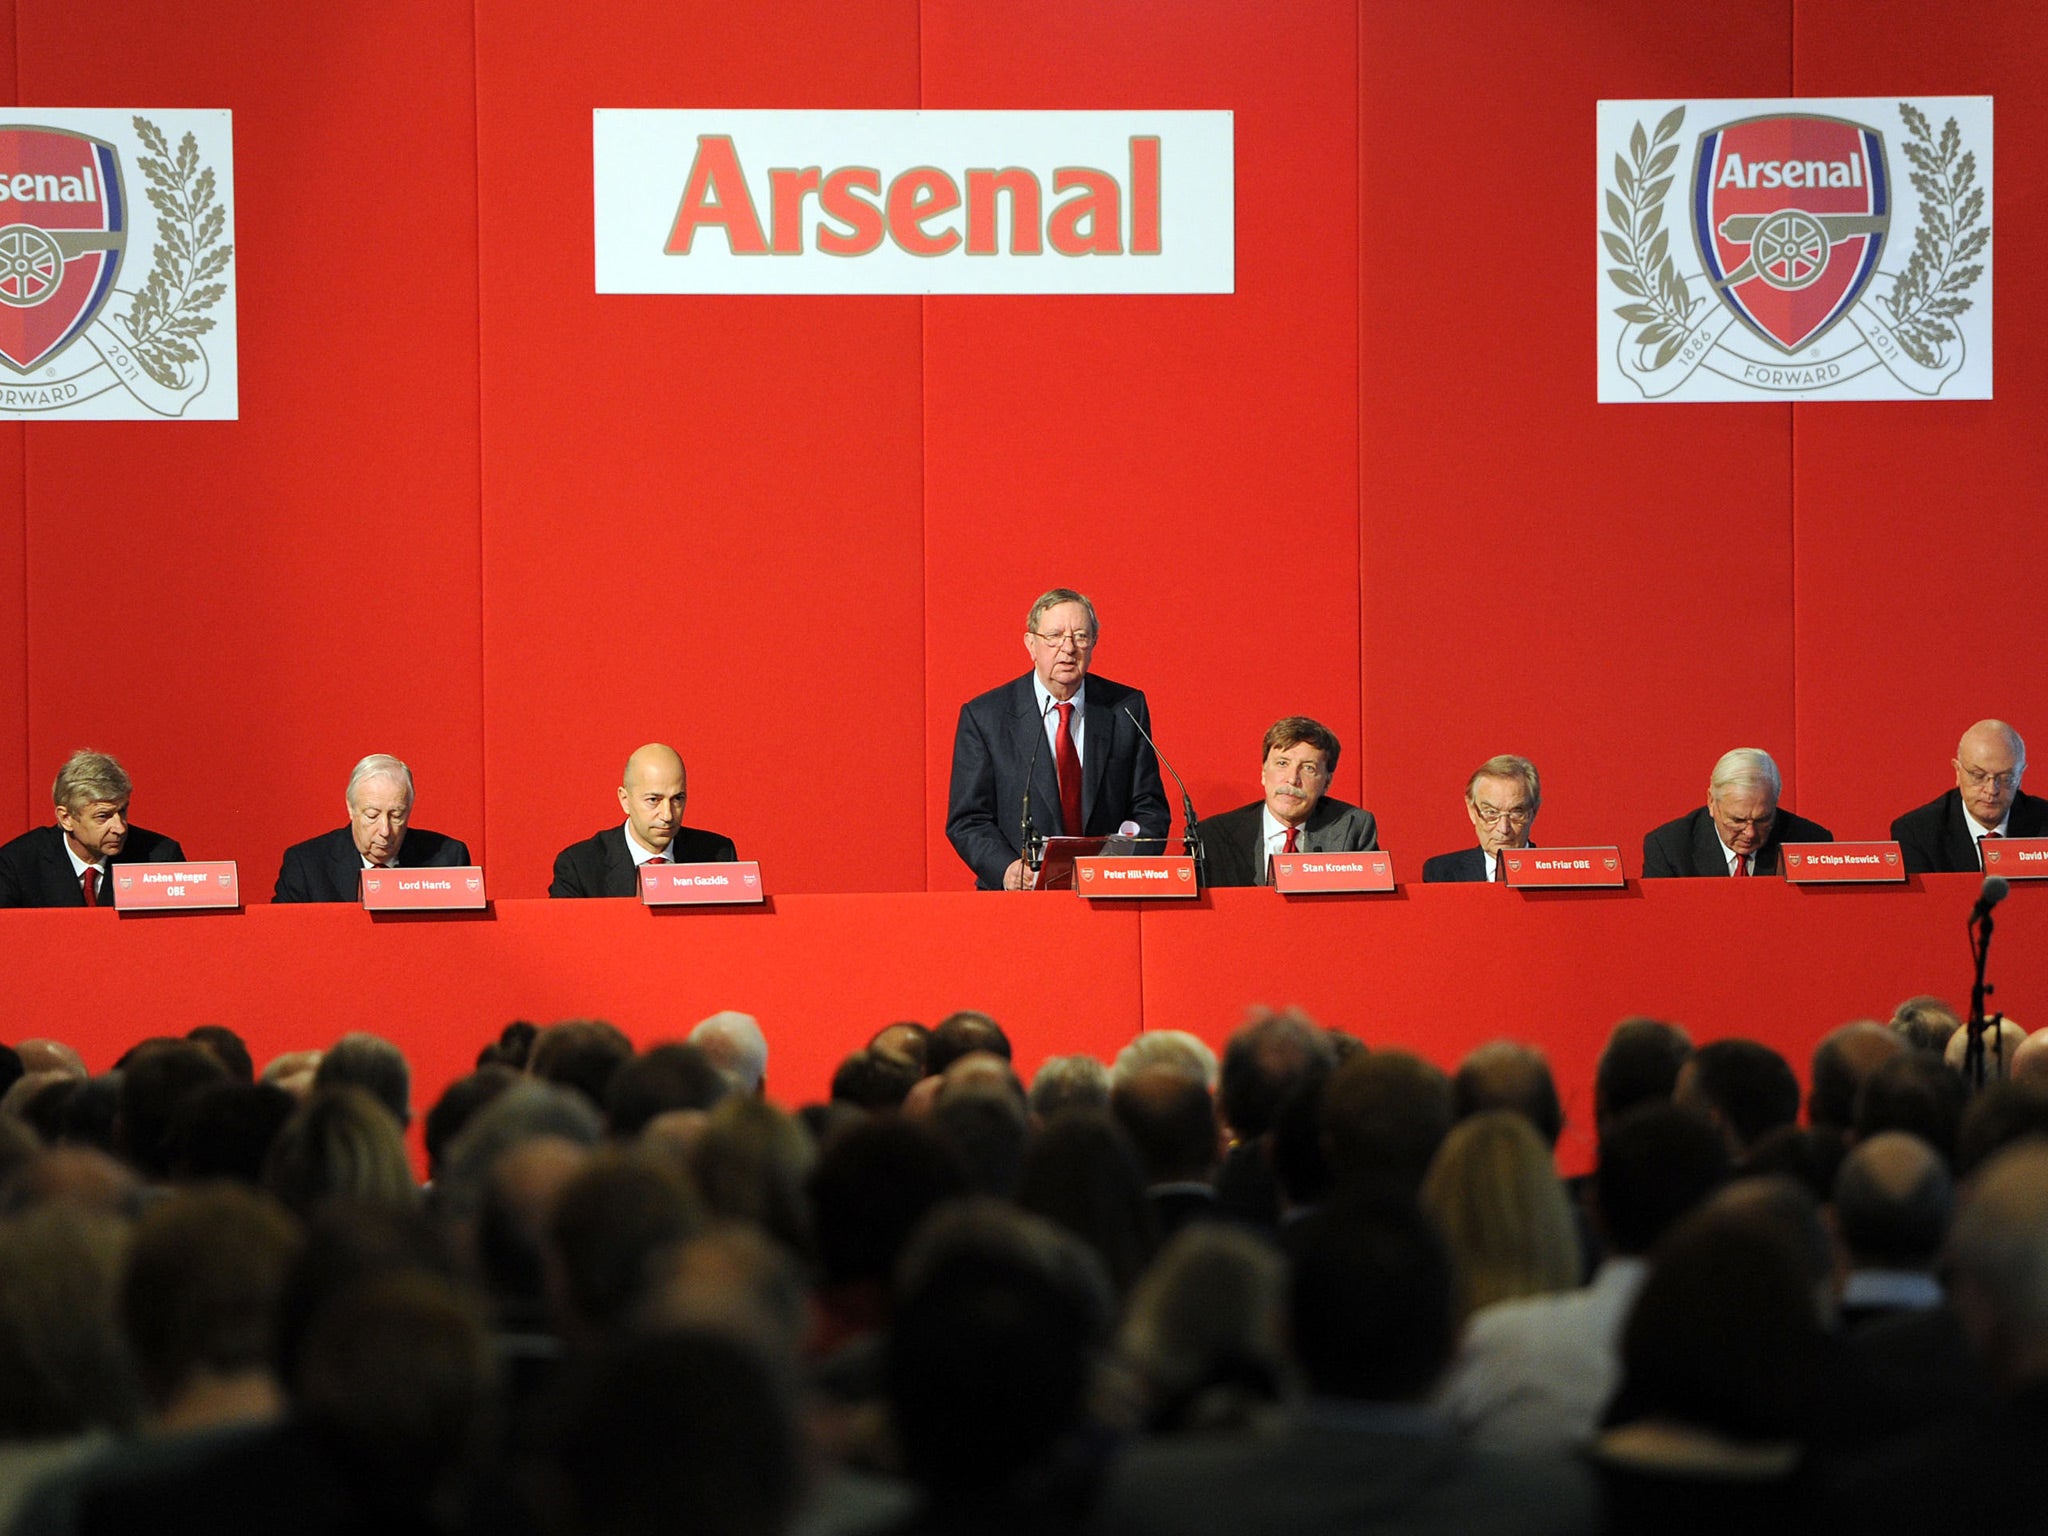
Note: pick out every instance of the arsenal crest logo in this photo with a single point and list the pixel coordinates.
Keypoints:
(63, 229)
(1790, 215)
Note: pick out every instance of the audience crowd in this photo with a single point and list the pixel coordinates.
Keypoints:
(1317, 1285)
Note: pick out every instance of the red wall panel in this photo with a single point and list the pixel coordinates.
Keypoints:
(1906, 512)
(1185, 460)
(701, 514)
(241, 609)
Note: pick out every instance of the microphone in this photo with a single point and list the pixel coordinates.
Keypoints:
(1995, 890)
(1187, 801)
(1025, 829)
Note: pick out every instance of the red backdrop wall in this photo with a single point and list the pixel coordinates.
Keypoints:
(477, 515)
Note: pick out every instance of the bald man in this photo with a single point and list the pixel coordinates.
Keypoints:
(1945, 836)
(652, 794)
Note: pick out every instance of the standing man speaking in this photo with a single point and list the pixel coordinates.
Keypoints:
(1072, 734)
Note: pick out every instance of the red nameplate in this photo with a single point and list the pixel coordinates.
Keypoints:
(1543, 868)
(1170, 876)
(176, 887)
(687, 885)
(2017, 858)
(1828, 863)
(423, 890)
(1295, 874)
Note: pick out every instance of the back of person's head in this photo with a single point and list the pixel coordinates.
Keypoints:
(907, 1037)
(1068, 1082)
(685, 1429)
(873, 1184)
(1171, 1121)
(44, 1055)
(962, 1034)
(1793, 1210)
(524, 1111)
(1173, 1049)
(347, 1242)
(581, 1054)
(1917, 1094)
(1082, 1174)
(1494, 1193)
(42, 1102)
(660, 1079)
(457, 1106)
(1261, 1064)
(736, 1046)
(750, 1164)
(373, 1064)
(1841, 1062)
(1998, 1263)
(153, 1085)
(340, 1141)
(228, 1048)
(512, 1048)
(62, 1368)
(91, 1114)
(203, 1277)
(84, 1178)
(1384, 1114)
(1925, 1023)
(2004, 1113)
(987, 1125)
(1743, 1086)
(226, 1131)
(610, 1220)
(2001, 1049)
(1371, 1300)
(1810, 1156)
(1893, 1201)
(509, 1240)
(1657, 1164)
(875, 1078)
(1206, 1331)
(1638, 1065)
(1505, 1074)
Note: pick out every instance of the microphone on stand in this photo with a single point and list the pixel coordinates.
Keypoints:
(1026, 832)
(1996, 889)
(1192, 836)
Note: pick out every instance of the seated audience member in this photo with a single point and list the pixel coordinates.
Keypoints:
(1371, 1321)
(459, 1104)
(51, 1056)
(1925, 1023)
(1205, 1333)
(1638, 1065)
(652, 793)
(2002, 1115)
(84, 1178)
(512, 1047)
(1740, 829)
(372, 1064)
(1171, 1121)
(1384, 1115)
(1536, 1374)
(659, 1080)
(227, 1047)
(962, 1034)
(379, 835)
(1842, 1062)
(737, 1047)
(1297, 759)
(1494, 1193)
(1171, 1048)
(1893, 1200)
(339, 1142)
(610, 1220)
(581, 1054)
(875, 1079)
(1502, 798)
(1744, 1089)
(2001, 1048)
(1917, 1094)
(2029, 1063)
(906, 1038)
(225, 1131)
(1504, 1074)
(1068, 1082)
(506, 1248)
(1946, 835)
(293, 1071)
(1810, 1157)
(751, 1165)
(1262, 1062)
(1082, 1174)
(981, 1114)
(71, 863)
(155, 1083)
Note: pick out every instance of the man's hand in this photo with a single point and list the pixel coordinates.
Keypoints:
(1017, 877)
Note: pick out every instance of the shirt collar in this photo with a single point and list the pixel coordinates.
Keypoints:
(641, 852)
(1046, 700)
(1978, 829)
(78, 866)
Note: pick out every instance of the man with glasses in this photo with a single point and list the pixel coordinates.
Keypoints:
(1294, 817)
(1093, 769)
(1502, 798)
(1947, 834)
(1740, 829)
(379, 835)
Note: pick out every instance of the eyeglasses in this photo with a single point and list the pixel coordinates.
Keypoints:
(1082, 639)
(1493, 815)
(1979, 778)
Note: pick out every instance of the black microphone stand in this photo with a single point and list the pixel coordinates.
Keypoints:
(1973, 1052)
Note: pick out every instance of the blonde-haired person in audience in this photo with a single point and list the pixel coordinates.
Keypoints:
(1495, 1194)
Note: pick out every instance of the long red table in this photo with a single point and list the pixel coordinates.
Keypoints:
(1435, 968)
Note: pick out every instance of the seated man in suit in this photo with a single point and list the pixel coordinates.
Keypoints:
(608, 864)
(67, 865)
(1089, 767)
(1738, 831)
(1944, 836)
(1501, 797)
(379, 835)
(1295, 816)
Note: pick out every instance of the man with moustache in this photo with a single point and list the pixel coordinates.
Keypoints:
(654, 791)
(1947, 834)
(379, 835)
(68, 865)
(1740, 829)
(1296, 816)
(1502, 798)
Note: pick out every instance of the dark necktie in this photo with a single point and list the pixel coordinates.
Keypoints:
(90, 883)
(1068, 762)
(1500, 867)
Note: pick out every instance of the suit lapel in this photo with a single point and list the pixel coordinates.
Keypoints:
(621, 875)
(1962, 842)
(347, 868)
(1045, 780)
(1708, 857)
(60, 877)
(1098, 741)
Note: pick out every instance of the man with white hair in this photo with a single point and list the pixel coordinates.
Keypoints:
(379, 835)
(68, 865)
(736, 1046)
(1738, 831)
(1946, 835)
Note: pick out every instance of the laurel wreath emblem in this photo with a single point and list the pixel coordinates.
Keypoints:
(169, 312)
(1641, 244)
(1929, 293)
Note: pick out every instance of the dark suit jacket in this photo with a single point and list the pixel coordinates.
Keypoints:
(1230, 842)
(328, 868)
(992, 751)
(1691, 846)
(1466, 866)
(602, 866)
(1936, 840)
(35, 872)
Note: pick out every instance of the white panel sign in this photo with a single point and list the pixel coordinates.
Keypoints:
(913, 202)
(1809, 248)
(117, 265)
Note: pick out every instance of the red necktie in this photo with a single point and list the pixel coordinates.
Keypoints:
(91, 881)
(1741, 865)
(1290, 848)
(1068, 761)
(1500, 867)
